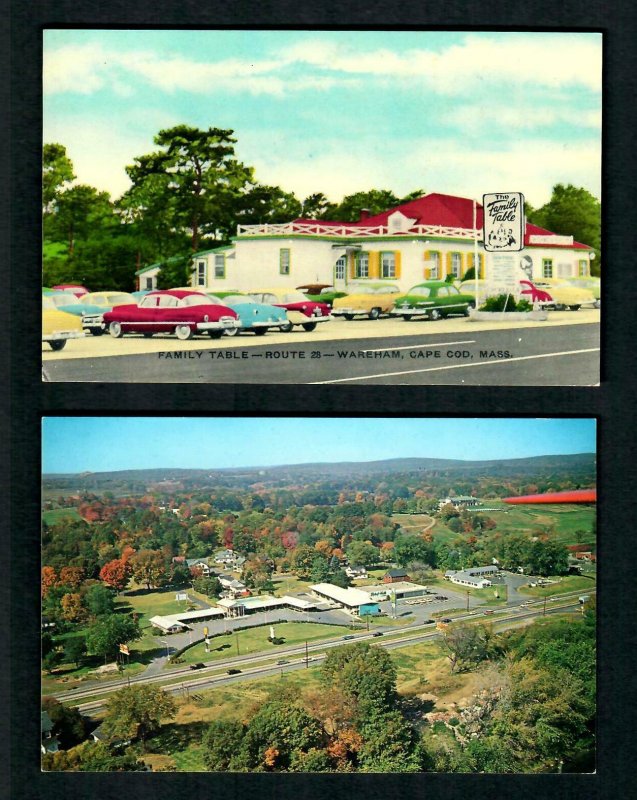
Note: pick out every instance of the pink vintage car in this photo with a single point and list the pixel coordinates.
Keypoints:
(175, 311)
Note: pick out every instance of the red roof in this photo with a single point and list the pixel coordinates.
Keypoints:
(445, 210)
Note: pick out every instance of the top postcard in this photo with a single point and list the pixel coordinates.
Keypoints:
(322, 207)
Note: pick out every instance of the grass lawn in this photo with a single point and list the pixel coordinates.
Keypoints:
(561, 522)
(255, 640)
(290, 584)
(57, 514)
(567, 583)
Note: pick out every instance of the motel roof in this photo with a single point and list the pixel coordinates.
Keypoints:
(349, 597)
(445, 210)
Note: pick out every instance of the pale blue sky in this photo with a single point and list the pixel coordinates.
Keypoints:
(338, 111)
(98, 444)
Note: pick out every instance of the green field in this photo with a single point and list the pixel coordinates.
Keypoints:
(255, 640)
(567, 583)
(57, 514)
(561, 523)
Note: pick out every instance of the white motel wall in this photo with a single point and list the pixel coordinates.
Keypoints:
(290, 262)
(425, 239)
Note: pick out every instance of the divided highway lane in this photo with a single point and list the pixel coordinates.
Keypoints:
(525, 356)
(176, 679)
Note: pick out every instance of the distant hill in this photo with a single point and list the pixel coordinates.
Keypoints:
(140, 479)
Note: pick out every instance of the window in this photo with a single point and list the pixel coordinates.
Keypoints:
(547, 267)
(201, 273)
(432, 265)
(220, 266)
(387, 265)
(361, 266)
(284, 261)
(339, 270)
(564, 270)
(149, 283)
(456, 264)
(582, 268)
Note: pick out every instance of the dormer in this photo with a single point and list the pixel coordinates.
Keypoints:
(399, 223)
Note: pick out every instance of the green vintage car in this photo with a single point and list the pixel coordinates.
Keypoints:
(432, 300)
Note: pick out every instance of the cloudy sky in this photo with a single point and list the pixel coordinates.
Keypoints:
(218, 442)
(338, 112)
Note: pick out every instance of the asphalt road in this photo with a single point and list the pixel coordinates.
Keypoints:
(458, 354)
(513, 618)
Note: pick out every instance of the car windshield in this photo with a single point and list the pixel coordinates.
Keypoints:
(199, 300)
(328, 290)
(47, 302)
(60, 300)
(119, 299)
(159, 301)
(235, 298)
(420, 291)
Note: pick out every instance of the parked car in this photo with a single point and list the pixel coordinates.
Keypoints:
(198, 665)
(592, 284)
(100, 303)
(74, 288)
(367, 299)
(446, 620)
(440, 597)
(58, 326)
(300, 310)
(67, 301)
(321, 292)
(565, 294)
(254, 315)
(433, 300)
(180, 312)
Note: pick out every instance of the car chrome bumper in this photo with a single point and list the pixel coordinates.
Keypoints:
(222, 324)
(338, 312)
(55, 336)
(93, 321)
(409, 311)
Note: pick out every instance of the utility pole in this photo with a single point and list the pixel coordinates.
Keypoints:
(467, 599)
(544, 612)
(237, 638)
(307, 659)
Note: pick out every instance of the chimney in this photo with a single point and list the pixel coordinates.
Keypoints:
(365, 214)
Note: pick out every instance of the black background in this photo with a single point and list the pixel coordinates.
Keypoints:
(29, 399)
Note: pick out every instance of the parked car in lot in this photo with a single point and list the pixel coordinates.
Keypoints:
(591, 284)
(321, 292)
(367, 299)
(254, 315)
(433, 300)
(58, 326)
(91, 315)
(300, 310)
(198, 665)
(441, 597)
(557, 292)
(74, 288)
(101, 302)
(183, 313)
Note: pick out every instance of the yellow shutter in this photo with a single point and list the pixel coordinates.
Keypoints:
(374, 264)
(448, 270)
(397, 262)
(352, 265)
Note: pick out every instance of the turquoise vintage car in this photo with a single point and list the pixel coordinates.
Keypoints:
(68, 302)
(253, 315)
(432, 300)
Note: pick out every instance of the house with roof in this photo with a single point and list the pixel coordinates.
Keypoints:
(200, 566)
(397, 575)
(428, 238)
(49, 741)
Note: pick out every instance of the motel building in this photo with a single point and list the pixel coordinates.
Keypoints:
(474, 577)
(425, 239)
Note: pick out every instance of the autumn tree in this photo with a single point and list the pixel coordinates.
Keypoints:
(72, 577)
(116, 573)
(137, 711)
(72, 607)
(148, 567)
(222, 745)
(48, 580)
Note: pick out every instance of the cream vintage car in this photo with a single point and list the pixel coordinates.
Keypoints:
(367, 299)
(58, 326)
(300, 310)
(564, 294)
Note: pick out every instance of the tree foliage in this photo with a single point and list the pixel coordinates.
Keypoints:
(137, 711)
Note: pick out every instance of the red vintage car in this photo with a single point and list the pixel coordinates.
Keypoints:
(536, 295)
(175, 311)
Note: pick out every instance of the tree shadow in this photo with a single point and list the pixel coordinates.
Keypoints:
(175, 737)
(147, 656)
